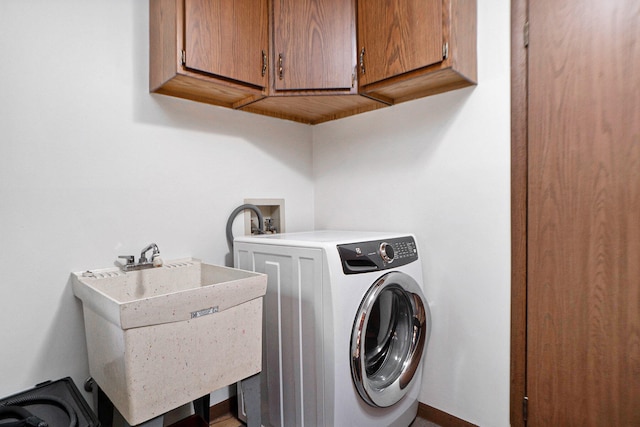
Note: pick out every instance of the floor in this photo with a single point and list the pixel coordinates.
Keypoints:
(419, 422)
(230, 421)
(226, 421)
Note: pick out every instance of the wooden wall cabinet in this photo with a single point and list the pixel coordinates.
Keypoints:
(313, 59)
(299, 60)
(213, 51)
(410, 49)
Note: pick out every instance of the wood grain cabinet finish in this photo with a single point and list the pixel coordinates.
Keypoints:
(313, 57)
(410, 49)
(212, 51)
(305, 60)
(314, 44)
(227, 38)
(397, 37)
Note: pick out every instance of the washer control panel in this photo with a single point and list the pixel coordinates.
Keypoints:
(364, 257)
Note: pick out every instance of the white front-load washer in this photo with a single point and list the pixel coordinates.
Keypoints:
(345, 327)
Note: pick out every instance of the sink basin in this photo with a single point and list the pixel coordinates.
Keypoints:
(162, 337)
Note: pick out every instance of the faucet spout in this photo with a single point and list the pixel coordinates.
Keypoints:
(154, 254)
(143, 263)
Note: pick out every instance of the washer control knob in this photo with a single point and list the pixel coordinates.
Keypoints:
(386, 252)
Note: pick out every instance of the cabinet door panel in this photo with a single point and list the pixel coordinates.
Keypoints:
(398, 36)
(316, 41)
(227, 38)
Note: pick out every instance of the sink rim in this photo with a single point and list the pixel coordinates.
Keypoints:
(237, 287)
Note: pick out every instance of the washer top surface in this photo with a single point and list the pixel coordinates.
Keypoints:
(319, 238)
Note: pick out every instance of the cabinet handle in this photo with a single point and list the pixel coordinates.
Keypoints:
(264, 63)
(362, 70)
(280, 69)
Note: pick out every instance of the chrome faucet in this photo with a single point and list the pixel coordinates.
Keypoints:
(130, 260)
(154, 254)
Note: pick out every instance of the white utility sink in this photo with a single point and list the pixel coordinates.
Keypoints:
(162, 337)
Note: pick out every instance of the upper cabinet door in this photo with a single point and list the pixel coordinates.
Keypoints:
(228, 38)
(398, 36)
(314, 44)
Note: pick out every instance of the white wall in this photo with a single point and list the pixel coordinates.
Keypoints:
(92, 166)
(439, 167)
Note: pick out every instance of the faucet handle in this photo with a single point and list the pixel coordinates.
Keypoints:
(129, 258)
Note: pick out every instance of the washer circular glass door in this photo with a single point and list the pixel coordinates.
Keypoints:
(389, 335)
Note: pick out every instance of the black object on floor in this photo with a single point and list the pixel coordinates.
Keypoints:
(56, 403)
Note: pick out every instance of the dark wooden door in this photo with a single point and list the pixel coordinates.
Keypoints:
(228, 38)
(314, 44)
(583, 237)
(398, 36)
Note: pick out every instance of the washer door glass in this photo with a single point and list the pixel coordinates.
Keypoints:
(388, 338)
